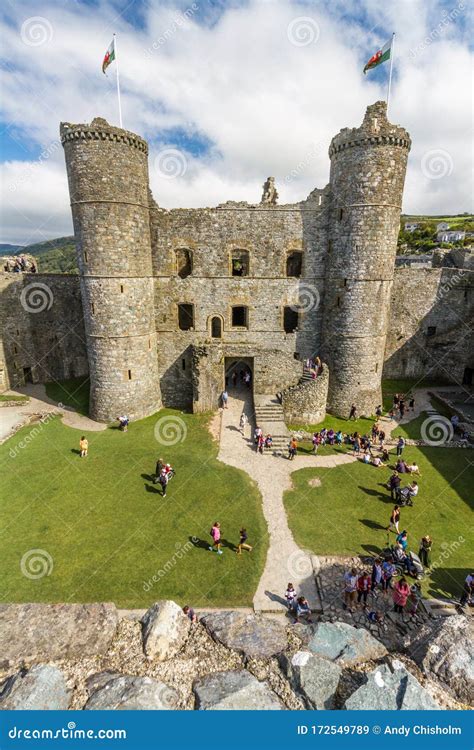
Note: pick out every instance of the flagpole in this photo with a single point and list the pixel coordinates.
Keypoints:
(118, 80)
(392, 52)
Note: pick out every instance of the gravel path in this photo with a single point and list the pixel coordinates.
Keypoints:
(272, 473)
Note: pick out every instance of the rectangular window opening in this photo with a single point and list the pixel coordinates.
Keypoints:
(185, 317)
(240, 263)
(129, 374)
(431, 331)
(341, 214)
(290, 319)
(240, 317)
(121, 288)
(338, 302)
(92, 308)
(86, 259)
(183, 364)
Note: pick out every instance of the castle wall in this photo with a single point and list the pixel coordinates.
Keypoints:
(42, 328)
(431, 331)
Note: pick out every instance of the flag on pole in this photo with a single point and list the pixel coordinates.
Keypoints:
(380, 56)
(109, 56)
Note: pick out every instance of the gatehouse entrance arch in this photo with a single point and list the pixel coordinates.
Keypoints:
(238, 373)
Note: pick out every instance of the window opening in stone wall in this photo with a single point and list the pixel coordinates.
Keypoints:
(183, 364)
(345, 282)
(290, 319)
(329, 246)
(341, 214)
(240, 263)
(376, 367)
(431, 331)
(338, 301)
(15, 350)
(129, 374)
(184, 262)
(85, 256)
(216, 328)
(121, 288)
(27, 375)
(294, 263)
(185, 317)
(92, 308)
(240, 317)
(149, 343)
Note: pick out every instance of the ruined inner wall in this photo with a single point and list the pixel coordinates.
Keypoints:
(431, 331)
(268, 233)
(42, 329)
(368, 166)
(108, 184)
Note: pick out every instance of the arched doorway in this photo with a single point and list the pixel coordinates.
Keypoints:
(239, 374)
(216, 327)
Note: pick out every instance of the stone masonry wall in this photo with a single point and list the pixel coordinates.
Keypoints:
(42, 328)
(305, 403)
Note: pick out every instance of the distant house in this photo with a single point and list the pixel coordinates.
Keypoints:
(442, 226)
(414, 261)
(411, 226)
(452, 236)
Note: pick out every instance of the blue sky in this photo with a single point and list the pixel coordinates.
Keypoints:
(236, 90)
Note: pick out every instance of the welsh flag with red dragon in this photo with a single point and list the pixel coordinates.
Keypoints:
(109, 56)
(380, 56)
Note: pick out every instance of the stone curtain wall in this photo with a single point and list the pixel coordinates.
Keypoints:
(108, 184)
(305, 403)
(368, 166)
(423, 298)
(43, 329)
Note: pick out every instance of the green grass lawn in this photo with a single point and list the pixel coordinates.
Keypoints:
(6, 397)
(349, 512)
(107, 528)
(74, 393)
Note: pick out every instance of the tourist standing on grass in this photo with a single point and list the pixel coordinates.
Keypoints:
(411, 404)
(163, 480)
(225, 399)
(243, 544)
(400, 595)
(353, 412)
(350, 589)
(394, 520)
(315, 441)
(400, 446)
(363, 588)
(402, 539)
(424, 553)
(158, 469)
(290, 596)
(376, 578)
(388, 571)
(356, 443)
(394, 484)
(401, 408)
(378, 410)
(83, 446)
(216, 538)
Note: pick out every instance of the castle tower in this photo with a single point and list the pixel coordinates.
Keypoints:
(108, 184)
(368, 166)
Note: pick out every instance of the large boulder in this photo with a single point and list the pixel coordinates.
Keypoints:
(344, 644)
(251, 635)
(129, 693)
(314, 678)
(165, 628)
(445, 649)
(234, 690)
(49, 632)
(42, 688)
(387, 690)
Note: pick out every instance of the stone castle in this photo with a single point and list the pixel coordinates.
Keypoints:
(169, 301)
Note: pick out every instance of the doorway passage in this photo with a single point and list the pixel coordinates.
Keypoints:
(238, 374)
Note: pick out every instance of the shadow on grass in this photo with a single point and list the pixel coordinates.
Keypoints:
(375, 493)
(373, 549)
(76, 451)
(201, 543)
(148, 477)
(152, 489)
(372, 524)
(447, 583)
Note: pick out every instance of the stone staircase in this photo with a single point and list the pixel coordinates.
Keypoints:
(306, 375)
(270, 417)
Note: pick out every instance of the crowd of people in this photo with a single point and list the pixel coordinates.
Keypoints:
(19, 264)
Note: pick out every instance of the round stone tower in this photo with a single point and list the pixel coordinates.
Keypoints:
(108, 184)
(368, 166)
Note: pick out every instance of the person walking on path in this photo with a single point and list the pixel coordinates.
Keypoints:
(400, 446)
(376, 576)
(400, 595)
(225, 399)
(243, 422)
(216, 538)
(83, 446)
(388, 571)
(411, 404)
(353, 412)
(290, 596)
(350, 589)
(424, 553)
(394, 520)
(292, 449)
(243, 542)
(363, 588)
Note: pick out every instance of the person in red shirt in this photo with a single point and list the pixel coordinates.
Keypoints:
(364, 584)
(401, 592)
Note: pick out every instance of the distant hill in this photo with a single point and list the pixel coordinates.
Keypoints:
(54, 256)
(6, 249)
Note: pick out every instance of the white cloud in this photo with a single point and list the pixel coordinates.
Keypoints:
(267, 105)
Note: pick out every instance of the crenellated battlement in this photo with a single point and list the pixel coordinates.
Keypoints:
(100, 130)
(375, 130)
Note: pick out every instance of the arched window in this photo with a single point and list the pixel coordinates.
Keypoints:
(216, 328)
(294, 263)
(184, 262)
